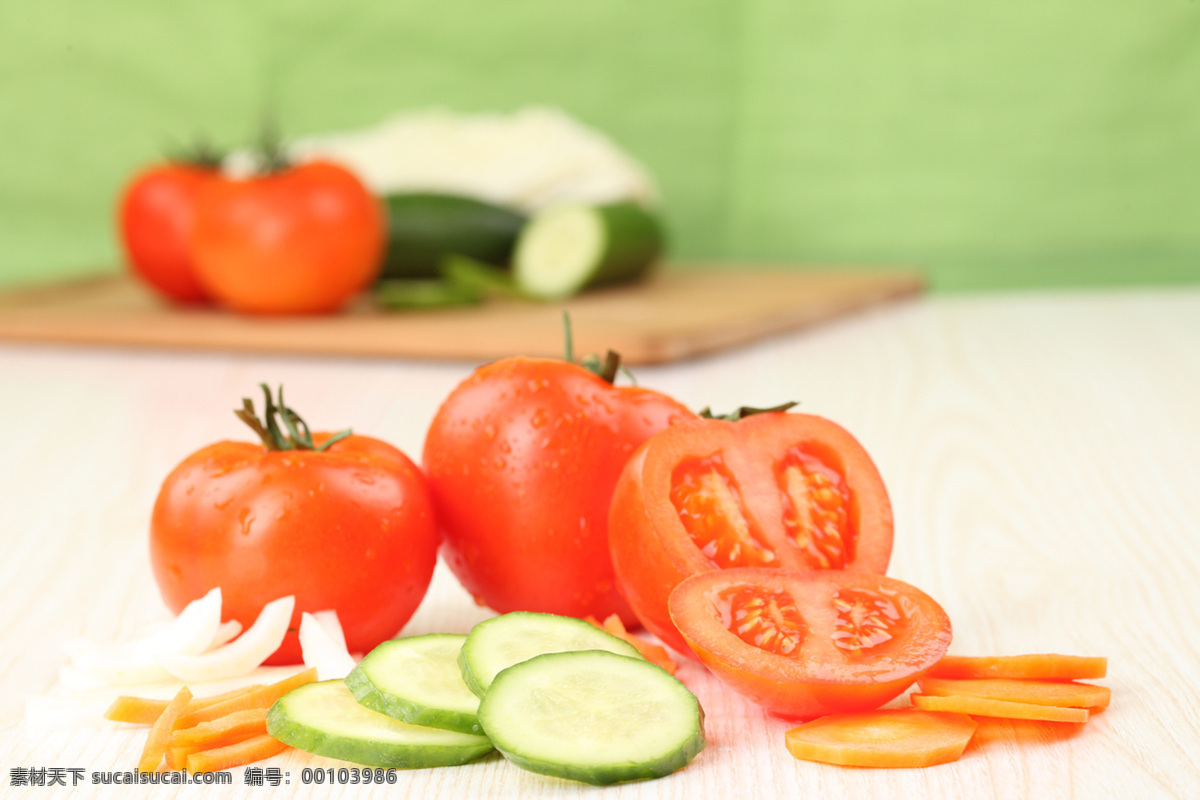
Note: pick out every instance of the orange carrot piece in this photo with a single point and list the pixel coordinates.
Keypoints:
(1042, 693)
(235, 755)
(160, 732)
(262, 697)
(651, 652)
(140, 710)
(905, 737)
(986, 707)
(176, 758)
(231, 728)
(145, 710)
(1036, 666)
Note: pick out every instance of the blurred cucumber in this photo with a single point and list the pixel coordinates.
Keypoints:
(424, 227)
(566, 249)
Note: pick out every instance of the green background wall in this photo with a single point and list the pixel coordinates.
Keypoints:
(1026, 142)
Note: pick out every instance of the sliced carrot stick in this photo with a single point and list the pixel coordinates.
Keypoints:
(177, 758)
(1042, 693)
(986, 707)
(145, 710)
(1036, 666)
(651, 652)
(262, 697)
(231, 728)
(160, 732)
(235, 755)
(905, 737)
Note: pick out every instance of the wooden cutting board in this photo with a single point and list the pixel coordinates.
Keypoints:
(678, 313)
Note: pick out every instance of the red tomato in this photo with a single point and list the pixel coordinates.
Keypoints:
(803, 644)
(305, 239)
(786, 491)
(350, 528)
(155, 216)
(522, 458)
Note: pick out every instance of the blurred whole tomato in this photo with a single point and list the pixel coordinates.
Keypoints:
(295, 239)
(155, 217)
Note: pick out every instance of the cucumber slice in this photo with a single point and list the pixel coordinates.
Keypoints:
(593, 716)
(325, 719)
(500, 642)
(424, 226)
(566, 249)
(417, 680)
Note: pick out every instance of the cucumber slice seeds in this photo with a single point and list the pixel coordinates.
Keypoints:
(500, 642)
(593, 716)
(417, 680)
(325, 719)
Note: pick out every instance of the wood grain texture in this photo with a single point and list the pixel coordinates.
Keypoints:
(677, 313)
(1039, 450)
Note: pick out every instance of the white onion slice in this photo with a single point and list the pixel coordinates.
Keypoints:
(193, 631)
(322, 651)
(241, 655)
(332, 625)
(139, 660)
(225, 634)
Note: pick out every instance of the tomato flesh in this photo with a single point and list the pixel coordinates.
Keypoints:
(714, 515)
(767, 620)
(865, 620)
(816, 516)
(809, 643)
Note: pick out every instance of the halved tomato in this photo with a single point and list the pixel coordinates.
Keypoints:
(782, 491)
(804, 644)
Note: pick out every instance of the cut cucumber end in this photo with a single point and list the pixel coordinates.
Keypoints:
(417, 680)
(559, 251)
(325, 719)
(593, 716)
(498, 643)
(569, 248)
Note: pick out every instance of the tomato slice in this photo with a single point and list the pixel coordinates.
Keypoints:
(1037, 666)
(808, 643)
(986, 707)
(774, 490)
(904, 737)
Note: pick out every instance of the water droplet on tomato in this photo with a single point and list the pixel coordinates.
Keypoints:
(490, 431)
(499, 463)
(539, 418)
(505, 447)
(246, 518)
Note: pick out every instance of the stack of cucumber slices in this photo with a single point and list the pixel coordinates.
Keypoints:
(554, 695)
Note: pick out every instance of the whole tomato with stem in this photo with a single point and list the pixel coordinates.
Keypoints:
(522, 458)
(292, 239)
(155, 217)
(341, 521)
(758, 488)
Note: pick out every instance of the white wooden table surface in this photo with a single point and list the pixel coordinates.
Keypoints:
(1042, 452)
